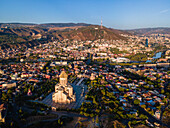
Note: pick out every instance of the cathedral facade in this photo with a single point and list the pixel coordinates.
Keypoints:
(63, 91)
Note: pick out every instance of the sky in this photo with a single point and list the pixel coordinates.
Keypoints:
(118, 14)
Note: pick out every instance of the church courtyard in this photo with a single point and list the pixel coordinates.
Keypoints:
(79, 89)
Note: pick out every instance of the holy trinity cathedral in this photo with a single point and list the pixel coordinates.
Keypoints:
(63, 91)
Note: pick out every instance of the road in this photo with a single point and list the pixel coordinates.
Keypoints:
(65, 113)
(59, 113)
(163, 109)
(33, 121)
(151, 118)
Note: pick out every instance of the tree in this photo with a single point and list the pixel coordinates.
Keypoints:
(125, 95)
(9, 93)
(162, 91)
(97, 119)
(143, 106)
(4, 97)
(136, 102)
(91, 115)
(20, 110)
(143, 116)
(94, 100)
(59, 121)
(121, 89)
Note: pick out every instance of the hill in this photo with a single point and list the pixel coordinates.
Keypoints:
(149, 31)
(12, 34)
(52, 25)
(14, 25)
(47, 25)
(92, 32)
(26, 29)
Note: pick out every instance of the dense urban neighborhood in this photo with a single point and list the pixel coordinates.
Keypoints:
(92, 83)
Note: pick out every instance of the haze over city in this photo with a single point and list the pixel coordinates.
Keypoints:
(119, 14)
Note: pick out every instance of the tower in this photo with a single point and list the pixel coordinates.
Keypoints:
(101, 24)
(63, 78)
(146, 43)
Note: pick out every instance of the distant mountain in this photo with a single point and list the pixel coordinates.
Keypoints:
(63, 25)
(16, 33)
(79, 31)
(28, 29)
(149, 31)
(14, 25)
(24, 31)
(49, 25)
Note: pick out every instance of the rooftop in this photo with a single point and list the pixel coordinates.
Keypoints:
(63, 74)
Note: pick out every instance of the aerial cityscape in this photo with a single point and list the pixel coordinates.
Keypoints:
(84, 64)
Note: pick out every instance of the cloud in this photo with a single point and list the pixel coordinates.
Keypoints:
(164, 11)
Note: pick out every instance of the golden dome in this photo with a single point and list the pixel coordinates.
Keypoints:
(63, 74)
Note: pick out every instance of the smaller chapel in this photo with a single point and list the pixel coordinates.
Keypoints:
(63, 91)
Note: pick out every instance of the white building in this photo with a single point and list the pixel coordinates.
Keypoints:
(8, 85)
(120, 59)
(63, 91)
